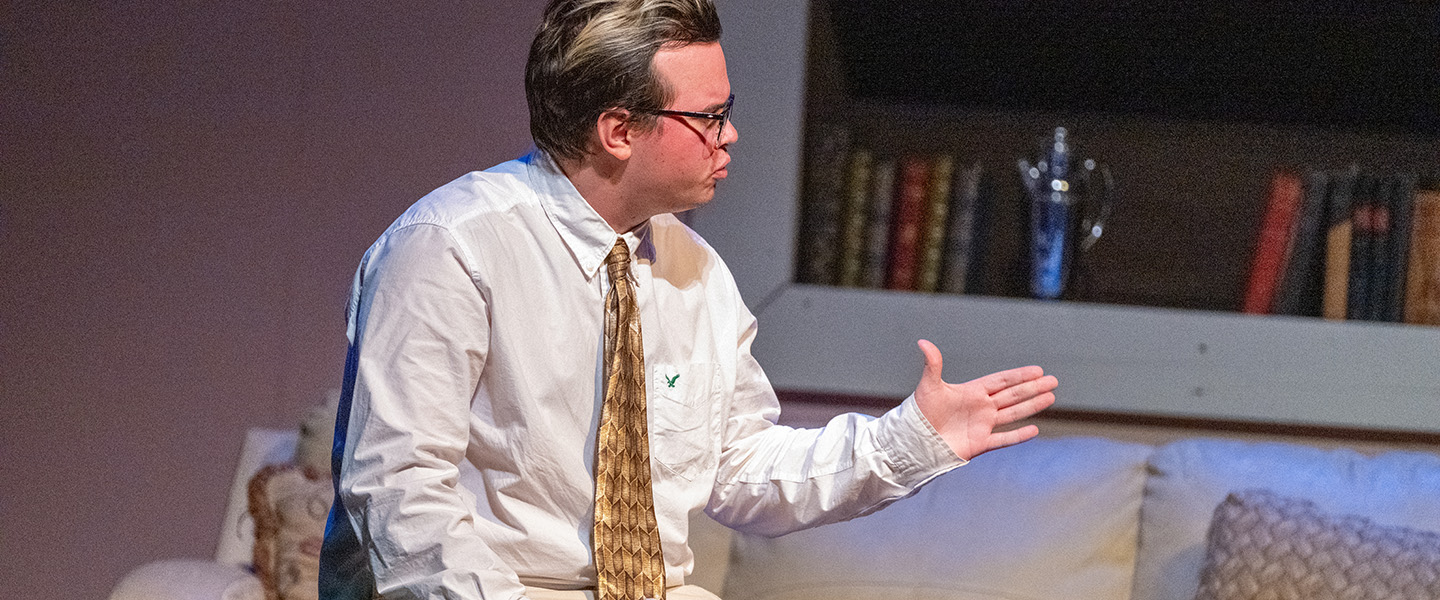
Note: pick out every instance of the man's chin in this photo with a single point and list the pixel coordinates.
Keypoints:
(703, 198)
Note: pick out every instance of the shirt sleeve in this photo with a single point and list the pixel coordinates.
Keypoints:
(421, 331)
(773, 479)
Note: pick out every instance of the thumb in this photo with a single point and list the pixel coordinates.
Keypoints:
(934, 363)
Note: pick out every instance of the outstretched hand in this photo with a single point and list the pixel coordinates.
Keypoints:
(967, 414)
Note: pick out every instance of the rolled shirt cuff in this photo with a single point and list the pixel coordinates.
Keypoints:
(915, 451)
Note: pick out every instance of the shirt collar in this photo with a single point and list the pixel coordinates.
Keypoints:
(583, 230)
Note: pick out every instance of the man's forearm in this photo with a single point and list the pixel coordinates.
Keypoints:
(776, 480)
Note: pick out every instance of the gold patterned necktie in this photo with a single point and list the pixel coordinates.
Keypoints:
(628, 563)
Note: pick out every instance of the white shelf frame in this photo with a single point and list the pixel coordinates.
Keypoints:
(1145, 361)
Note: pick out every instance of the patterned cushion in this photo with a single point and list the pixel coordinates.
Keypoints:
(289, 507)
(1189, 478)
(1266, 546)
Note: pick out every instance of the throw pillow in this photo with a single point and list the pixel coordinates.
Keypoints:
(289, 508)
(1265, 546)
(1189, 478)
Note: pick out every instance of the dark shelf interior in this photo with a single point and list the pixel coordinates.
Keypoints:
(1351, 66)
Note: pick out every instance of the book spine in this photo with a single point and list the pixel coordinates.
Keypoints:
(1363, 215)
(960, 236)
(824, 189)
(1337, 248)
(853, 218)
(1273, 242)
(908, 212)
(1422, 281)
(1378, 276)
(932, 229)
(1402, 210)
(877, 237)
(1303, 280)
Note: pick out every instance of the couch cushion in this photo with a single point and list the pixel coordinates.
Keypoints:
(1190, 478)
(1262, 545)
(710, 543)
(1066, 508)
(188, 579)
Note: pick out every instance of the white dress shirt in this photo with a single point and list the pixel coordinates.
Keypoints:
(476, 326)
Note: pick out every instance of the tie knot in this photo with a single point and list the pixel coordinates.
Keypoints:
(617, 263)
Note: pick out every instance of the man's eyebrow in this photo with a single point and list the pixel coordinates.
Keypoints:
(716, 107)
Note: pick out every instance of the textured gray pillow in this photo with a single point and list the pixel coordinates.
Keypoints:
(1263, 546)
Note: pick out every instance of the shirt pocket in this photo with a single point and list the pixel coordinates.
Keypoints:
(681, 411)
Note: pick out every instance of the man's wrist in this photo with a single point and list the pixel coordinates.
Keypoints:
(914, 449)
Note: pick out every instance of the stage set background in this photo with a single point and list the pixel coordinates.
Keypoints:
(185, 190)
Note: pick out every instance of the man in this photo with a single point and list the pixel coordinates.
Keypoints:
(505, 325)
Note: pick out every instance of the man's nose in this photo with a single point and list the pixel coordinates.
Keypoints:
(730, 135)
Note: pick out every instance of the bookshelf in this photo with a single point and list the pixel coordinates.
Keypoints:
(1139, 350)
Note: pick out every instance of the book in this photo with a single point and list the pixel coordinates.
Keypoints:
(1337, 246)
(1272, 242)
(961, 250)
(908, 212)
(825, 162)
(1377, 276)
(1364, 216)
(877, 235)
(931, 245)
(1303, 277)
(1397, 249)
(978, 276)
(853, 216)
(1422, 281)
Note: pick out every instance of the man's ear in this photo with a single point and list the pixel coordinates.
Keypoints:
(613, 131)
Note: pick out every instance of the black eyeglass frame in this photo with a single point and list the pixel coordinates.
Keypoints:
(723, 116)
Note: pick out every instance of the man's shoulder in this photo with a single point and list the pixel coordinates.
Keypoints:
(671, 231)
(472, 195)
(678, 247)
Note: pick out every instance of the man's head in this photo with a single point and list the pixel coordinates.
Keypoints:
(593, 56)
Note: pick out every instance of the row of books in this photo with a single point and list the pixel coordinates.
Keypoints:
(1348, 245)
(907, 222)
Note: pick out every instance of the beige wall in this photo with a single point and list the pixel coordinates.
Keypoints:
(185, 189)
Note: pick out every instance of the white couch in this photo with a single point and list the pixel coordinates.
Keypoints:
(1098, 515)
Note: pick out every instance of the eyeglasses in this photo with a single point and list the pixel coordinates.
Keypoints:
(723, 117)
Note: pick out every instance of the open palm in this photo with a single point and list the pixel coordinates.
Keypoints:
(968, 415)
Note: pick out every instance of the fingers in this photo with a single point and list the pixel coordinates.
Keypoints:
(1025, 390)
(995, 383)
(934, 362)
(1001, 439)
(992, 383)
(1024, 409)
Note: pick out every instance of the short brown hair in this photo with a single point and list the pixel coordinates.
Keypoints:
(591, 56)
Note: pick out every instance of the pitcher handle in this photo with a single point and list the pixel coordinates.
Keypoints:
(1092, 223)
